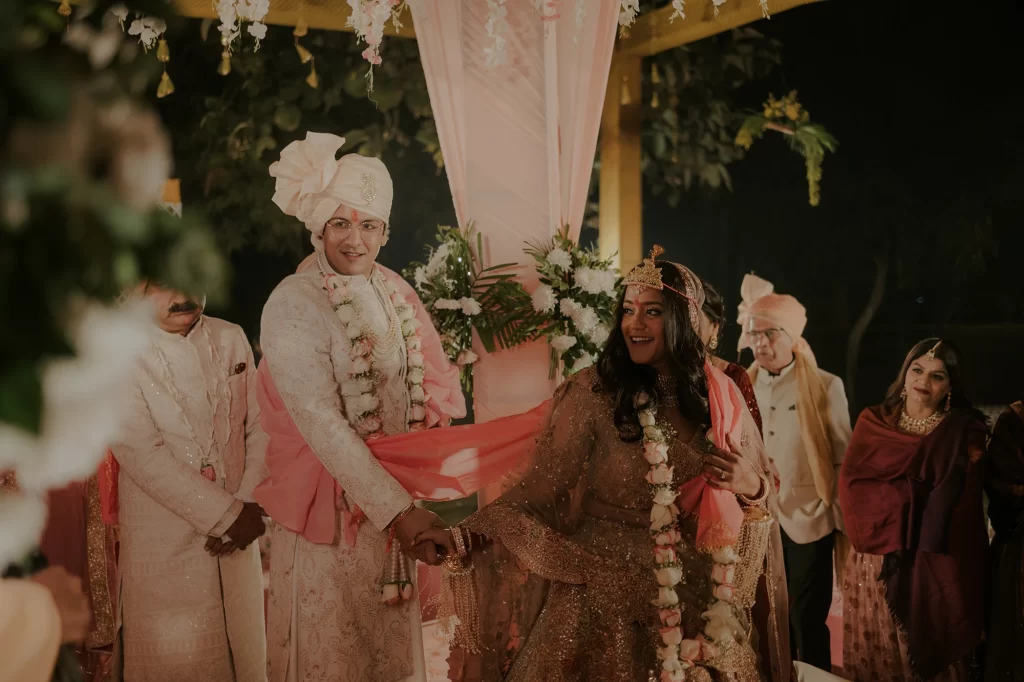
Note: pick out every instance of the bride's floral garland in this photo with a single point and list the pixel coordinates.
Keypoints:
(679, 654)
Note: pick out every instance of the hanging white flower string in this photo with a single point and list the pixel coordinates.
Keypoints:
(764, 10)
(627, 15)
(148, 29)
(233, 12)
(678, 10)
(367, 22)
(718, 3)
(496, 27)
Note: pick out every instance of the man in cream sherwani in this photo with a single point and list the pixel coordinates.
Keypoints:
(190, 454)
(328, 617)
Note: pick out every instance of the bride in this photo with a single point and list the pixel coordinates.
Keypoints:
(655, 577)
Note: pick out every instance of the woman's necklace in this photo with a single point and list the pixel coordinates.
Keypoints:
(920, 427)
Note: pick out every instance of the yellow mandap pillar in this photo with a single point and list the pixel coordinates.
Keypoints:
(621, 188)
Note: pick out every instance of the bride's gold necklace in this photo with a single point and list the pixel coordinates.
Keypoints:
(920, 427)
(382, 347)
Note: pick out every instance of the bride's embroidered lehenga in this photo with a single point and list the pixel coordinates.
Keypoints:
(566, 597)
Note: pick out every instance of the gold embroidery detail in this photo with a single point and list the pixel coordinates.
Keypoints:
(99, 584)
(369, 188)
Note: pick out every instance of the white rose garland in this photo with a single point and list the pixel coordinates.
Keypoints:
(678, 654)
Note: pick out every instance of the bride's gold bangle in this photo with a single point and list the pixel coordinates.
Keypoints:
(460, 542)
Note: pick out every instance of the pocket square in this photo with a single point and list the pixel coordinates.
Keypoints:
(238, 369)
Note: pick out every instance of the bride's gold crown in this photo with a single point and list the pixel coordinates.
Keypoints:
(648, 274)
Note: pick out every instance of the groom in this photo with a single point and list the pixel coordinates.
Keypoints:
(344, 363)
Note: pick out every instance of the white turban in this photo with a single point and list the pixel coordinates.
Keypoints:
(312, 183)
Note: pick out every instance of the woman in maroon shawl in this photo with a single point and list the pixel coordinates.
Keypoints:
(1004, 659)
(911, 492)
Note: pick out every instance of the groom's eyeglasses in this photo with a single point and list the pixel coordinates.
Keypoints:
(343, 228)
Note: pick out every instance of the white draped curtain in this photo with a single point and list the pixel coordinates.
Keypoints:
(518, 142)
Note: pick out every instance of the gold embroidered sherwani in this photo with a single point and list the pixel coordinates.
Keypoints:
(185, 615)
(326, 618)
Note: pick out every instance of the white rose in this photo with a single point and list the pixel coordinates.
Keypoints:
(652, 433)
(669, 576)
(723, 573)
(414, 343)
(470, 306)
(354, 407)
(646, 418)
(655, 453)
(416, 394)
(690, 649)
(672, 666)
(671, 636)
(582, 362)
(665, 496)
(719, 630)
(726, 555)
(409, 327)
(446, 304)
(405, 312)
(368, 402)
(543, 298)
(668, 653)
(661, 516)
(666, 597)
(418, 413)
(466, 357)
(416, 376)
(659, 475)
(347, 313)
(351, 388)
(390, 592)
(664, 555)
(563, 342)
(415, 358)
(355, 330)
(359, 366)
(718, 610)
(560, 259)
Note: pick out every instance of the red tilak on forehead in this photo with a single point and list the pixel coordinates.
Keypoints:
(354, 216)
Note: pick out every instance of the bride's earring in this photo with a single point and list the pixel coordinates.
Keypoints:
(713, 343)
(949, 401)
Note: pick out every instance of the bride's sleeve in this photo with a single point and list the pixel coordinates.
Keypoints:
(533, 518)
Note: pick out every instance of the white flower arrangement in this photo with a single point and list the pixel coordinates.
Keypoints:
(576, 296)
(461, 296)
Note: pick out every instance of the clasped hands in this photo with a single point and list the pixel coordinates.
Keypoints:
(423, 536)
(244, 531)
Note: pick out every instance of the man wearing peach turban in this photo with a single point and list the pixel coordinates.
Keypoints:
(806, 431)
(350, 358)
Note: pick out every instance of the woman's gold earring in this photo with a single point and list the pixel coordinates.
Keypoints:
(713, 343)
(949, 401)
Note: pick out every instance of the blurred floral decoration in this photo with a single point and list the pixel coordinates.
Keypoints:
(84, 162)
(461, 295)
(269, 99)
(810, 140)
(577, 296)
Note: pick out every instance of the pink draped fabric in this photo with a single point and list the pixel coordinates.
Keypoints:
(518, 142)
(437, 464)
(719, 516)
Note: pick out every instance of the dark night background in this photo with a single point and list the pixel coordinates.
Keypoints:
(925, 100)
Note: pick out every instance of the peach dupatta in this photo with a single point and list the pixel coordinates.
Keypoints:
(437, 464)
(719, 516)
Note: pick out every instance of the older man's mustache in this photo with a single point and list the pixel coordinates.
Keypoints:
(183, 307)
